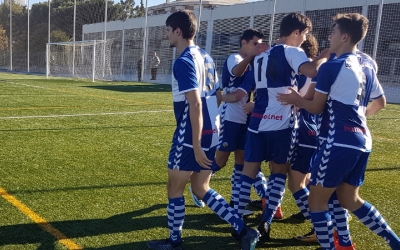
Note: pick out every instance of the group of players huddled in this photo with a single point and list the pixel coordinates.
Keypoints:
(307, 120)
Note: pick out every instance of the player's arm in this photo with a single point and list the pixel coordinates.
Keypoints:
(310, 69)
(196, 120)
(375, 105)
(240, 68)
(234, 96)
(248, 107)
(310, 92)
(247, 85)
(378, 96)
(314, 106)
(219, 96)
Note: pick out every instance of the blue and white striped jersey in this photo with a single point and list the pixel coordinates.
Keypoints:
(349, 85)
(195, 70)
(230, 83)
(274, 72)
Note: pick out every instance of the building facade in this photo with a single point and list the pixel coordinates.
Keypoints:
(221, 27)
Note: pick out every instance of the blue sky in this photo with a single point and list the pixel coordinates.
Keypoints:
(150, 2)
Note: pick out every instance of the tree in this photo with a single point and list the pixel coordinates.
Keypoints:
(3, 39)
(19, 21)
(58, 36)
(128, 8)
(140, 10)
(61, 20)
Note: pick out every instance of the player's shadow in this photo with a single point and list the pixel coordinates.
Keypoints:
(189, 243)
(129, 222)
(382, 169)
(133, 88)
(284, 243)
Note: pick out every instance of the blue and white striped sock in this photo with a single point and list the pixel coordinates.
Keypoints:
(301, 198)
(176, 216)
(340, 221)
(219, 206)
(260, 184)
(236, 173)
(371, 217)
(243, 188)
(275, 191)
(323, 229)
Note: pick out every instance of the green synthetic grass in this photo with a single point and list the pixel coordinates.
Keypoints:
(100, 177)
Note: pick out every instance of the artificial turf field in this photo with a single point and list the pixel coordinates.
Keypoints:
(83, 166)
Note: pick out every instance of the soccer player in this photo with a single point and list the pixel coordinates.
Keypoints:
(271, 125)
(306, 140)
(237, 83)
(306, 144)
(343, 90)
(194, 90)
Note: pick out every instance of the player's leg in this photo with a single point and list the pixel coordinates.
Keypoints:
(349, 198)
(340, 222)
(176, 210)
(243, 186)
(278, 145)
(236, 173)
(274, 195)
(221, 157)
(330, 166)
(298, 178)
(200, 186)
(255, 150)
(225, 147)
(367, 214)
(229, 141)
(297, 185)
(320, 216)
(260, 182)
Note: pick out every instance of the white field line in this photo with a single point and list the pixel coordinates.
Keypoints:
(28, 85)
(77, 115)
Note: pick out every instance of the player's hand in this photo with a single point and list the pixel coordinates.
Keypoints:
(201, 158)
(289, 99)
(248, 108)
(260, 48)
(326, 53)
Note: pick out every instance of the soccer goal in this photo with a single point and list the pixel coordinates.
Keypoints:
(82, 59)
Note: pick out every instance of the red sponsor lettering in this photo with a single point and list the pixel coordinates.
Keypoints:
(268, 116)
(311, 133)
(354, 129)
(209, 131)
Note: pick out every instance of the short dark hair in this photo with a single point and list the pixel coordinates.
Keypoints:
(310, 46)
(185, 20)
(353, 24)
(294, 21)
(248, 35)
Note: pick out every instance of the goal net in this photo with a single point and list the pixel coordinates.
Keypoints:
(83, 59)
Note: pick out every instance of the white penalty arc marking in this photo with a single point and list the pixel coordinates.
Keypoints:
(77, 115)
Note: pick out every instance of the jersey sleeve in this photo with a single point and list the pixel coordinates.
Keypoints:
(248, 83)
(325, 78)
(377, 90)
(185, 74)
(295, 57)
(232, 61)
(217, 83)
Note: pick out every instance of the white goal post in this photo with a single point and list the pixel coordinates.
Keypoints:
(81, 59)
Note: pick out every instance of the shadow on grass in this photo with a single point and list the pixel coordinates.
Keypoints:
(98, 187)
(131, 222)
(133, 88)
(382, 169)
(127, 222)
